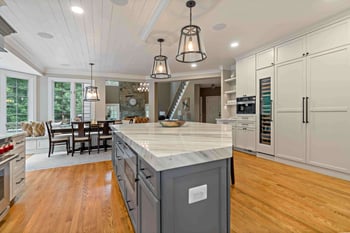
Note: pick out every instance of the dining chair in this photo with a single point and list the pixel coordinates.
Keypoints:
(54, 141)
(81, 134)
(104, 133)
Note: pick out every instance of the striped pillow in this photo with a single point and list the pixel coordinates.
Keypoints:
(38, 129)
(27, 128)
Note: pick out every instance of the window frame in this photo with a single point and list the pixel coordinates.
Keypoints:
(51, 81)
(32, 98)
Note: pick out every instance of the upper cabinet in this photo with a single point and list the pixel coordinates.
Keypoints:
(265, 59)
(245, 72)
(326, 38)
(290, 50)
(330, 37)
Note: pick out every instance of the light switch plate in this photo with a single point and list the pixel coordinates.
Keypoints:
(197, 194)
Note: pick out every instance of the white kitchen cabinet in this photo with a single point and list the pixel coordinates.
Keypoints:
(290, 89)
(328, 127)
(313, 118)
(265, 59)
(244, 133)
(333, 36)
(291, 50)
(245, 80)
(17, 167)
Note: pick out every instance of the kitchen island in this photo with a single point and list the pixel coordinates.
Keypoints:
(174, 179)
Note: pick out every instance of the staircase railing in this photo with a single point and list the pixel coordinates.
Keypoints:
(177, 98)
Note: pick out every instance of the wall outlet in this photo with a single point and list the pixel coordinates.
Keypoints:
(197, 194)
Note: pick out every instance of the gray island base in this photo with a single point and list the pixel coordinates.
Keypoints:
(174, 180)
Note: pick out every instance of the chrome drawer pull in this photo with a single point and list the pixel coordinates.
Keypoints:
(21, 180)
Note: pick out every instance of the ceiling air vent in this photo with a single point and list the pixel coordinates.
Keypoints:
(5, 28)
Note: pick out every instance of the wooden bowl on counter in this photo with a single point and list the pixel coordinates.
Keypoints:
(172, 123)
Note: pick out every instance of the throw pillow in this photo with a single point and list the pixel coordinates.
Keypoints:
(27, 128)
(38, 129)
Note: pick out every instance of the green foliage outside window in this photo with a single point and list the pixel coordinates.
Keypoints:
(16, 102)
(62, 97)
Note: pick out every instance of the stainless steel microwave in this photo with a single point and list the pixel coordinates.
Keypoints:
(246, 105)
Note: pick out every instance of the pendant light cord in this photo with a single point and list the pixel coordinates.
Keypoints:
(160, 45)
(190, 16)
(91, 73)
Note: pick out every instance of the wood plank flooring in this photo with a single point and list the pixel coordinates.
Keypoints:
(267, 197)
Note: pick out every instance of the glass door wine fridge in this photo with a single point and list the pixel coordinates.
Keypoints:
(265, 143)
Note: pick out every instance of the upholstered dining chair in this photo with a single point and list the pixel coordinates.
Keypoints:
(104, 133)
(81, 134)
(54, 141)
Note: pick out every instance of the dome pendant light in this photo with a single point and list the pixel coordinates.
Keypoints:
(160, 69)
(191, 48)
(91, 92)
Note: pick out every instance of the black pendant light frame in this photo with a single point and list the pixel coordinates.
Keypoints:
(158, 60)
(91, 89)
(190, 34)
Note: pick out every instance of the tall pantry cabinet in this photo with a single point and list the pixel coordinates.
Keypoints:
(312, 109)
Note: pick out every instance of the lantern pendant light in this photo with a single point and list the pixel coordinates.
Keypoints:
(191, 48)
(160, 69)
(91, 92)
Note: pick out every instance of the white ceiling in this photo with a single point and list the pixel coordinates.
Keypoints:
(121, 39)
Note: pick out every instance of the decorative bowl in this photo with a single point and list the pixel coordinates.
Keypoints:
(172, 123)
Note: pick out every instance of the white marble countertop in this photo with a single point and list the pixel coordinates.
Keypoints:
(7, 135)
(167, 148)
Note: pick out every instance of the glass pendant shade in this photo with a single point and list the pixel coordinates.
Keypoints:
(191, 47)
(91, 92)
(160, 69)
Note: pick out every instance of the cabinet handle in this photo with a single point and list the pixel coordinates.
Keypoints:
(20, 181)
(303, 54)
(147, 176)
(119, 179)
(307, 54)
(137, 179)
(17, 143)
(17, 160)
(303, 109)
(307, 109)
(272, 63)
(127, 203)
(271, 102)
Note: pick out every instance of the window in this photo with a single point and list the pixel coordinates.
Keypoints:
(17, 100)
(16, 103)
(66, 100)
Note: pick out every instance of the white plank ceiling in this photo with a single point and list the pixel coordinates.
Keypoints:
(121, 39)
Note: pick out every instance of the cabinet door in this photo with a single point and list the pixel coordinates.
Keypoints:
(245, 82)
(290, 131)
(290, 50)
(330, 37)
(149, 210)
(265, 59)
(329, 109)
(250, 136)
(241, 139)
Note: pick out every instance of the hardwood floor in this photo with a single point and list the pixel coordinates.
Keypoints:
(272, 197)
(267, 197)
(82, 198)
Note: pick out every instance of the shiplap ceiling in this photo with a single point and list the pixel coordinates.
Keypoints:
(121, 39)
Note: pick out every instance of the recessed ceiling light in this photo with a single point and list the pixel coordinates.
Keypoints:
(193, 65)
(120, 2)
(234, 44)
(219, 26)
(45, 35)
(77, 10)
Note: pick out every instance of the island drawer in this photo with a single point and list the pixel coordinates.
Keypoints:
(150, 177)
